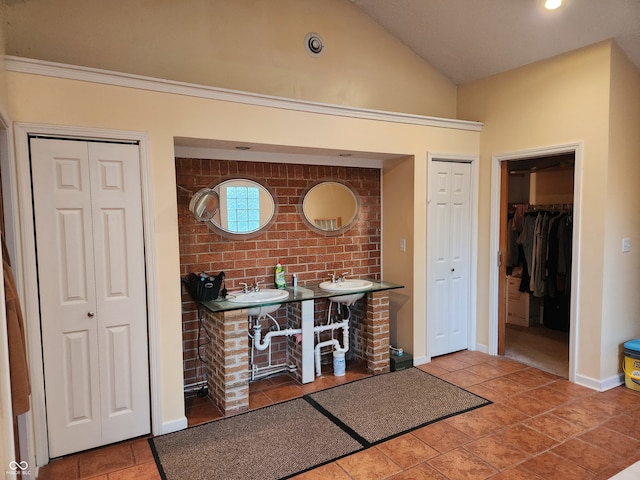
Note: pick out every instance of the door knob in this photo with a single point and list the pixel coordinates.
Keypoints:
(90, 314)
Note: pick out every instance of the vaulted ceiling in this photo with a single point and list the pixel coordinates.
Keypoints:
(471, 39)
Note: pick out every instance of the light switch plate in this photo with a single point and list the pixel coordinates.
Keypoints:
(626, 245)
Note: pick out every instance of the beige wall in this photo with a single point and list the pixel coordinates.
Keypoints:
(3, 78)
(561, 101)
(621, 302)
(40, 99)
(6, 424)
(398, 219)
(247, 45)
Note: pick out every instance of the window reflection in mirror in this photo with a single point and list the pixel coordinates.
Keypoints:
(330, 207)
(245, 206)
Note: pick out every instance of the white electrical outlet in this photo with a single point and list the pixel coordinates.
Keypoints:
(403, 245)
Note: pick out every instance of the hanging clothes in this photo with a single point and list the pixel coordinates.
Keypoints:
(514, 229)
(526, 239)
(545, 240)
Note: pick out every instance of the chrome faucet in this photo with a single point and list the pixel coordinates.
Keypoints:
(338, 278)
(253, 288)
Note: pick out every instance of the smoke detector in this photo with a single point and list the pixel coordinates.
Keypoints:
(313, 44)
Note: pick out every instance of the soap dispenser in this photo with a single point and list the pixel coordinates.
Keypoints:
(279, 276)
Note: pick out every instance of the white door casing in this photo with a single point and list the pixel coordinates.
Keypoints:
(91, 274)
(449, 301)
(577, 148)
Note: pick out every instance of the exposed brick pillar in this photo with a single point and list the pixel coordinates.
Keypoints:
(228, 360)
(377, 332)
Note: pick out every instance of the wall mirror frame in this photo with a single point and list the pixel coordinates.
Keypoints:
(330, 207)
(235, 207)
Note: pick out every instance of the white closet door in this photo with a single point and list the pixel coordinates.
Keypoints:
(449, 236)
(92, 292)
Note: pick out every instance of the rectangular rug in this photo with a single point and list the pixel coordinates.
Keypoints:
(287, 438)
(375, 409)
(268, 443)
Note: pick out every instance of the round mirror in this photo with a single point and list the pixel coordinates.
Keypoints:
(330, 207)
(236, 206)
(204, 204)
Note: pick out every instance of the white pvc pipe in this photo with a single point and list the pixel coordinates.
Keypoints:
(331, 326)
(262, 344)
(345, 339)
(316, 351)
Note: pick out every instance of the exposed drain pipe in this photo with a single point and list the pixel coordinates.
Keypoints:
(336, 344)
(262, 343)
(256, 372)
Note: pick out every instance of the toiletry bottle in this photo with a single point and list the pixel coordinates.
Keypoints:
(279, 276)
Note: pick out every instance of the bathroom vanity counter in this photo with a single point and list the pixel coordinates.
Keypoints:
(296, 294)
(228, 351)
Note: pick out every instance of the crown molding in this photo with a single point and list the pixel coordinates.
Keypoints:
(108, 77)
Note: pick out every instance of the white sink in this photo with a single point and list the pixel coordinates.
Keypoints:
(349, 285)
(265, 295)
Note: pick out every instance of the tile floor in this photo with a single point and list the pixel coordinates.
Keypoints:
(540, 426)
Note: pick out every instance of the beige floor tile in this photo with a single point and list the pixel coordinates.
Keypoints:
(369, 464)
(460, 464)
(105, 460)
(407, 450)
(540, 427)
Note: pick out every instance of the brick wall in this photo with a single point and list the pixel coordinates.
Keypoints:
(301, 250)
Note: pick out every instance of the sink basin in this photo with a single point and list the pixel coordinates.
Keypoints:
(349, 285)
(265, 295)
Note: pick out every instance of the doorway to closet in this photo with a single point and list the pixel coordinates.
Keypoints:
(536, 226)
(92, 290)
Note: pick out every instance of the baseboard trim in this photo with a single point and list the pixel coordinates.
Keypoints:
(174, 425)
(421, 360)
(600, 385)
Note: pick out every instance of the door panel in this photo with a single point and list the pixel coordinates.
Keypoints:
(73, 268)
(449, 236)
(77, 377)
(121, 291)
(120, 398)
(65, 267)
(88, 219)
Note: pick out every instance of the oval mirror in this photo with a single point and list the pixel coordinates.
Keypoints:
(330, 207)
(236, 206)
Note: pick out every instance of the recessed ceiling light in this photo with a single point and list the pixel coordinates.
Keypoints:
(552, 4)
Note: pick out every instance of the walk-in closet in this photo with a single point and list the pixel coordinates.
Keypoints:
(539, 226)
